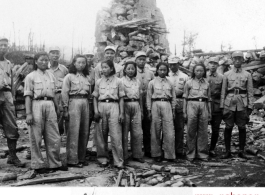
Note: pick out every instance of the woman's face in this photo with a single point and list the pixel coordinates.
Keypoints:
(106, 70)
(199, 72)
(42, 62)
(130, 70)
(162, 71)
(80, 64)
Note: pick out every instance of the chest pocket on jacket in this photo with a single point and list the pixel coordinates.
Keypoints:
(195, 90)
(231, 82)
(38, 87)
(75, 85)
(218, 84)
(102, 90)
(158, 90)
(243, 82)
(86, 86)
(181, 85)
(114, 90)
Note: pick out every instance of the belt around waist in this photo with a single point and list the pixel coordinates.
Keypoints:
(78, 96)
(237, 91)
(198, 99)
(60, 91)
(44, 98)
(161, 100)
(179, 96)
(6, 90)
(108, 100)
(131, 100)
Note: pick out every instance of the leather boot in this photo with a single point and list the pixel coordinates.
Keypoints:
(12, 158)
(242, 143)
(227, 137)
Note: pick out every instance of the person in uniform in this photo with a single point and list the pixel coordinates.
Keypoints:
(179, 79)
(59, 71)
(153, 61)
(109, 115)
(197, 110)
(215, 80)
(161, 102)
(41, 114)
(224, 66)
(236, 102)
(7, 108)
(90, 57)
(75, 92)
(133, 110)
(109, 54)
(144, 75)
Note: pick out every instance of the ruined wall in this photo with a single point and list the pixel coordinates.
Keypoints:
(131, 25)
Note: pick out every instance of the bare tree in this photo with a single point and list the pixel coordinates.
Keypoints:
(189, 41)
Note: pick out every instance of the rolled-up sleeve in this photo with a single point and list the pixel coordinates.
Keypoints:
(96, 90)
(186, 89)
(149, 95)
(29, 87)
(223, 93)
(65, 90)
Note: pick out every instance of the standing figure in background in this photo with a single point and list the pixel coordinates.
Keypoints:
(7, 108)
(144, 75)
(75, 93)
(224, 66)
(109, 115)
(153, 61)
(133, 109)
(237, 103)
(197, 110)
(215, 80)
(109, 54)
(59, 71)
(179, 79)
(41, 113)
(161, 102)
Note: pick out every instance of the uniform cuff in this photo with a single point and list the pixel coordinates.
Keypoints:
(28, 93)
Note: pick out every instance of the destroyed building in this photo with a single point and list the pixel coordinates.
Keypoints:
(131, 25)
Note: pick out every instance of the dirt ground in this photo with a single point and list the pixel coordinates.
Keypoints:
(237, 173)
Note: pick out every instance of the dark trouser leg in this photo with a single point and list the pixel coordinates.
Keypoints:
(146, 126)
(227, 137)
(242, 138)
(215, 123)
(179, 132)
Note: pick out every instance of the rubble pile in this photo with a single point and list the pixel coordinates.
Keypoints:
(157, 176)
(131, 25)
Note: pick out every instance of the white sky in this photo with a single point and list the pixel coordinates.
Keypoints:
(233, 22)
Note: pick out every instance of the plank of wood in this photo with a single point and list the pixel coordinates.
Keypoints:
(119, 178)
(59, 178)
(210, 164)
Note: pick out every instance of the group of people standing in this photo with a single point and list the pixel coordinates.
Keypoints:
(127, 98)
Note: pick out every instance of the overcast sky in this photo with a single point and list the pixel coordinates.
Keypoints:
(235, 22)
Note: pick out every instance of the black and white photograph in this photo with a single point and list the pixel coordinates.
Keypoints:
(145, 94)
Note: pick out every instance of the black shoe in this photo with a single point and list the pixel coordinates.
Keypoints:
(171, 160)
(79, 165)
(226, 155)
(158, 159)
(85, 163)
(41, 171)
(104, 164)
(190, 159)
(180, 155)
(61, 168)
(15, 161)
(120, 167)
(212, 153)
(141, 160)
(242, 154)
(204, 159)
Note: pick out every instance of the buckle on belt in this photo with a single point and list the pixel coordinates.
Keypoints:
(45, 98)
(107, 101)
(200, 99)
(236, 91)
(162, 100)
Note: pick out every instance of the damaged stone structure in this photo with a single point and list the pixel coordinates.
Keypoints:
(131, 25)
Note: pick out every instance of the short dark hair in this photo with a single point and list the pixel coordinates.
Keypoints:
(37, 56)
(161, 64)
(193, 71)
(126, 65)
(110, 63)
(72, 68)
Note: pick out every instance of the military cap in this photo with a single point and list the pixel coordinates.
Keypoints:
(110, 48)
(89, 53)
(140, 53)
(3, 39)
(213, 59)
(154, 56)
(237, 54)
(54, 49)
(173, 59)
